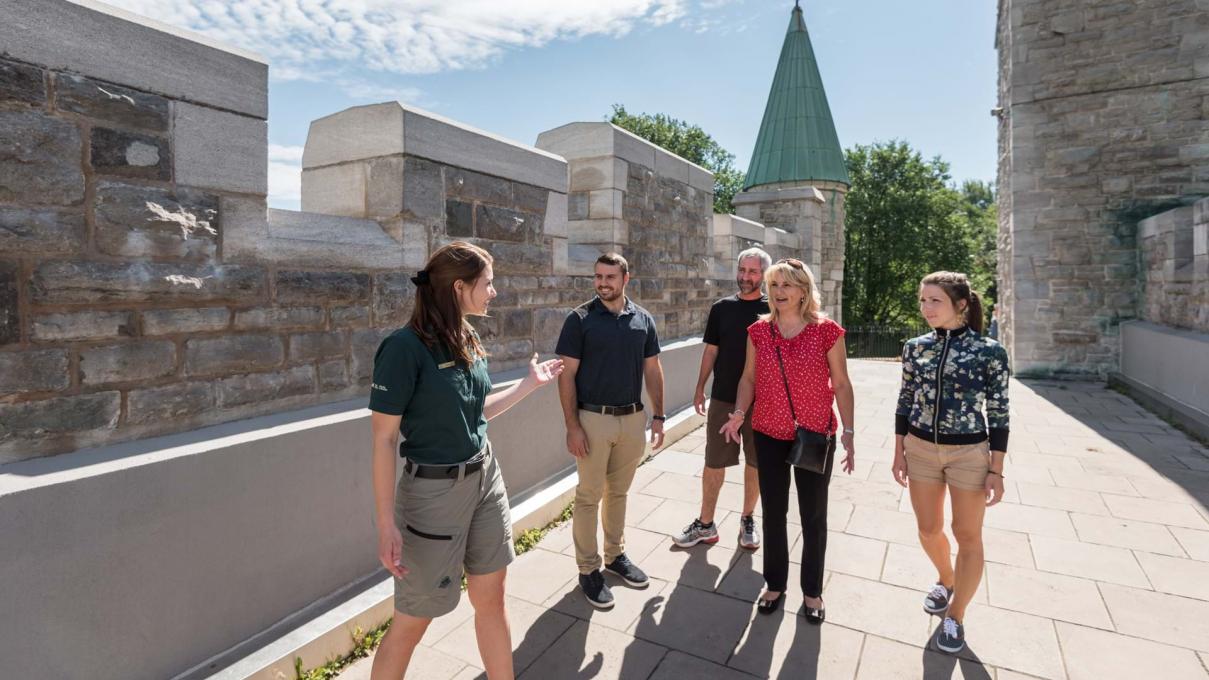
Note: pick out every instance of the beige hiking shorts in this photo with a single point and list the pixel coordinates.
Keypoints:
(962, 466)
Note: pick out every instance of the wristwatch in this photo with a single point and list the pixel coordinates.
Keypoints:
(849, 430)
(658, 417)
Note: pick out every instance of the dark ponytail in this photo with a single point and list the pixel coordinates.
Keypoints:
(957, 286)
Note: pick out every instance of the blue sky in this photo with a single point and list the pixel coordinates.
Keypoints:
(923, 72)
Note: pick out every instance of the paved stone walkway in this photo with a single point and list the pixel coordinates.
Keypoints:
(1097, 567)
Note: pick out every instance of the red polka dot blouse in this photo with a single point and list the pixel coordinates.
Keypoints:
(807, 371)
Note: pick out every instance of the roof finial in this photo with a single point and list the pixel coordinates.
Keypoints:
(796, 4)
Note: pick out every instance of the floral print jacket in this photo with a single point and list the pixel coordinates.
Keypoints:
(948, 377)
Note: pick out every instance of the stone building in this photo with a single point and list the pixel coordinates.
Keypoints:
(1103, 172)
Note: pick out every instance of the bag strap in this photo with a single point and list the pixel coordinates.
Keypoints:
(789, 396)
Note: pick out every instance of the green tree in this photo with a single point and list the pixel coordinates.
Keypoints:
(689, 142)
(904, 219)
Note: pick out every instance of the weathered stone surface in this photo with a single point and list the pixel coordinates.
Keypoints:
(137, 221)
(473, 186)
(577, 205)
(279, 318)
(335, 189)
(41, 231)
(168, 321)
(232, 354)
(160, 404)
(109, 102)
(459, 218)
(423, 190)
(304, 287)
(554, 222)
(504, 224)
(130, 154)
(83, 325)
(394, 299)
(95, 282)
(21, 83)
(384, 187)
(127, 362)
(364, 346)
(515, 323)
(219, 150)
(350, 317)
(34, 371)
(61, 415)
(10, 323)
(317, 345)
(39, 159)
(333, 375)
(521, 258)
(547, 325)
(530, 199)
(262, 387)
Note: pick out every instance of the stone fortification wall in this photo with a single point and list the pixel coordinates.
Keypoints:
(1103, 124)
(1175, 267)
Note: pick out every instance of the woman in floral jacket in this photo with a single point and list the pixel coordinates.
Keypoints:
(950, 376)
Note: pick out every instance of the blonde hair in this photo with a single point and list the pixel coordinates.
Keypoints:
(795, 273)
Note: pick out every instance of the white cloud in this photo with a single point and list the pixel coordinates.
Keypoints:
(305, 39)
(285, 175)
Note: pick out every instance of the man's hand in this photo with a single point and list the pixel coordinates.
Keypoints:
(699, 401)
(390, 550)
(577, 441)
(656, 433)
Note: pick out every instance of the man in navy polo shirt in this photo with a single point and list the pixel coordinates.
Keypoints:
(608, 345)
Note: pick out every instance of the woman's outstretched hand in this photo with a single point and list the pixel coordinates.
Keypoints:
(543, 373)
(849, 445)
(730, 431)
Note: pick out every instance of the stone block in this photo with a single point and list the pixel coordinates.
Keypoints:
(560, 253)
(473, 186)
(335, 190)
(103, 282)
(504, 224)
(576, 141)
(515, 323)
(232, 354)
(278, 318)
(349, 317)
(21, 83)
(311, 287)
(555, 221)
(83, 325)
(701, 179)
(130, 154)
(111, 103)
(317, 345)
(139, 221)
(530, 199)
(127, 362)
(333, 375)
(607, 232)
(10, 322)
(364, 346)
(40, 159)
(547, 326)
(59, 416)
(34, 371)
(393, 299)
(604, 172)
(219, 150)
(423, 190)
(459, 219)
(577, 205)
(671, 166)
(520, 258)
(262, 387)
(169, 403)
(46, 231)
(384, 187)
(169, 321)
(605, 203)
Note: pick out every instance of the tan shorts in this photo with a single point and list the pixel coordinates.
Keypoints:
(719, 452)
(962, 466)
(450, 525)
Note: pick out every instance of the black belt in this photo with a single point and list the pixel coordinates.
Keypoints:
(611, 410)
(441, 471)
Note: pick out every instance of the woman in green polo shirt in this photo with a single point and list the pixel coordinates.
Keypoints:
(450, 513)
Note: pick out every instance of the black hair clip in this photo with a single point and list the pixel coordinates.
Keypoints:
(421, 278)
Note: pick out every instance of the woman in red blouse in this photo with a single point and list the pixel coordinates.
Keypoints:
(816, 369)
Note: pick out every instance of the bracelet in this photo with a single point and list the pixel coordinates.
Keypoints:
(658, 417)
(849, 430)
(992, 472)
(738, 412)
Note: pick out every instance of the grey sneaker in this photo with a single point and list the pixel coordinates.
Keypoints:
(952, 638)
(628, 571)
(696, 533)
(937, 600)
(749, 535)
(596, 590)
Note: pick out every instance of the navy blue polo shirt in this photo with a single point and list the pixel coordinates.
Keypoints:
(611, 349)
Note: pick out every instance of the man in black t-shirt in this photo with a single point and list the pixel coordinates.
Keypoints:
(725, 354)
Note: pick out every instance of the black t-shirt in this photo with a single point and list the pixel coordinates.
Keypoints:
(611, 349)
(727, 328)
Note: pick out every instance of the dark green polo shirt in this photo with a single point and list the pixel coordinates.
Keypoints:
(611, 349)
(440, 400)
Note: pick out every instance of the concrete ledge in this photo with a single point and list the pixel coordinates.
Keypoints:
(1192, 419)
(104, 42)
(1166, 367)
(796, 194)
(578, 141)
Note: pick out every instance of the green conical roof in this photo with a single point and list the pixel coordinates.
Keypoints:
(797, 140)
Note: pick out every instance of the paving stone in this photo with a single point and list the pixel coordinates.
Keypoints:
(640, 506)
(534, 629)
(1053, 596)
(886, 525)
(674, 619)
(629, 603)
(670, 460)
(785, 645)
(589, 651)
(1088, 560)
(1045, 460)
(639, 543)
(1126, 534)
(1195, 543)
(1027, 519)
(677, 666)
(883, 659)
(1160, 512)
(854, 555)
(880, 494)
(1160, 617)
(701, 566)
(878, 609)
(1012, 640)
(1100, 655)
(538, 574)
(1176, 575)
(1081, 480)
(1060, 498)
(910, 567)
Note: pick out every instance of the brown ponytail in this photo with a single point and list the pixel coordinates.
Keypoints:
(957, 286)
(437, 319)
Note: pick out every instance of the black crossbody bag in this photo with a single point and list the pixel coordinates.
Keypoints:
(809, 450)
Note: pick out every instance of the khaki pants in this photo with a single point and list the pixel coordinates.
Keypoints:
(615, 448)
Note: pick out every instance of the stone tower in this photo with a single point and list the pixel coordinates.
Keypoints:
(797, 179)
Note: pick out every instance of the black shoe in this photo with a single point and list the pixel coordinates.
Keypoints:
(815, 616)
(596, 590)
(937, 600)
(628, 571)
(765, 606)
(952, 637)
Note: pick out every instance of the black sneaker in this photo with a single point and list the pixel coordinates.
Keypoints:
(937, 600)
(952, 638)
(628, 571)
(596, 590)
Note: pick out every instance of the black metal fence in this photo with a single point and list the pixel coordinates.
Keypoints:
(879, 342)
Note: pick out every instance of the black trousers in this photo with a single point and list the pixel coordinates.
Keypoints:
(812, 508)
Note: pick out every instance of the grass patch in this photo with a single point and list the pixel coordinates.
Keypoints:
(365, 643)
